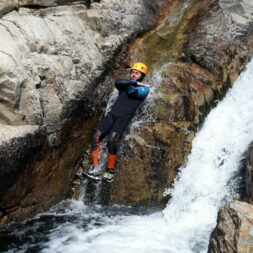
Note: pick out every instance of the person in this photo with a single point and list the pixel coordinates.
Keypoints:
(131, 94)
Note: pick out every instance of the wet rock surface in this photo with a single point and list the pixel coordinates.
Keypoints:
(150, 165)
(203, 60)
(248, 195)
(54, 73)
(54, 58)
(15, 153)
(154, 151)
(225, 29)
(8, 6)
(233, 232)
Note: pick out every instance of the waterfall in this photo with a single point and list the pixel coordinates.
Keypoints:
(205, 183)
(207, 180)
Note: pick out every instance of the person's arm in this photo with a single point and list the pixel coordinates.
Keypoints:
(123, 84)
(143, 84)
(139, 92)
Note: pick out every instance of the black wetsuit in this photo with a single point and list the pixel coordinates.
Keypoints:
(116, 121)
(129, 99)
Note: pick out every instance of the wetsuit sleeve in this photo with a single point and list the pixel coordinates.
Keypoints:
(139, 92)
(123, 84)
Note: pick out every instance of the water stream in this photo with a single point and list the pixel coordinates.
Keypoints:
(184, 226)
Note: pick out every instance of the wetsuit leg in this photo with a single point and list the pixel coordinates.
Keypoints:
(112, 142)
(112, 145)
(102, 129)
(95, 147)
(121, 123)
(105, 124)
(117, 130)
(95, 141)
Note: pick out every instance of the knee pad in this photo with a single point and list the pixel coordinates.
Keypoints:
(113, 140)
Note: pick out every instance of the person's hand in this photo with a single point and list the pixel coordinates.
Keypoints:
(143, 84)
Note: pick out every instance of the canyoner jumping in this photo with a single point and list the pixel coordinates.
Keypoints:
(131, 94)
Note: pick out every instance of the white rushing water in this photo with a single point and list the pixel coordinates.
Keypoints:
(201, 187)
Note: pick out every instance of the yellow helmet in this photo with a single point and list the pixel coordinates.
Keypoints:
(140, 67)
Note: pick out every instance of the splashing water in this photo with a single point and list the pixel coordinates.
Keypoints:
(201, 187)
(204, 184)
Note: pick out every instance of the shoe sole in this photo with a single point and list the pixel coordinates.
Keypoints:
(107, 180)
(97, 178)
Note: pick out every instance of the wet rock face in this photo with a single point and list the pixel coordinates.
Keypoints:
(249, 176)
(51, 57)
(221, 40)
(150, 166)
(205, 58)
(34, 176)
(233, 232)
(54, 56)
(15, 153)
(7, 6)
(52, 63)
(154, 151)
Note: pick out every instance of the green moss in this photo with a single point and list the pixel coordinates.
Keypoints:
(164, 44)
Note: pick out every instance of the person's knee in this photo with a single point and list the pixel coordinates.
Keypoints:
(112, 143)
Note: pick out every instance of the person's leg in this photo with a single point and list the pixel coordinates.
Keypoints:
(112, 145)
(102, 129)
(116, 132)
(95, 147)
